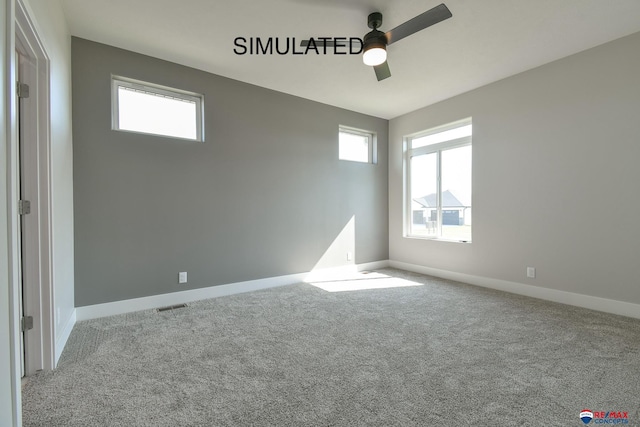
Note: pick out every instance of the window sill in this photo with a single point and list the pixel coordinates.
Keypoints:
(437, 239)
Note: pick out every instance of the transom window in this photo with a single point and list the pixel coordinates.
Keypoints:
(438, 177)
(356, 145)
(158, 110)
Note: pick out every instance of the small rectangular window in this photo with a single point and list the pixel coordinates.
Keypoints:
(356, 145)
(447, 135)
(438, 176)
(158, 110)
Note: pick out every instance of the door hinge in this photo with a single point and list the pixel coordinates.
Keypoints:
(27, 323)
(23, 90)
(24, 207)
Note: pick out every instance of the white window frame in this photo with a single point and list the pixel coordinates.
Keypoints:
(372, 143)
(429, 149)
(119, 81)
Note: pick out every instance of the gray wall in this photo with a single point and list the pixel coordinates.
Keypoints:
(555, 176)
(264, 196)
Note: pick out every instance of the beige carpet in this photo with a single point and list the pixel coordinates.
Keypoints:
(433, 353)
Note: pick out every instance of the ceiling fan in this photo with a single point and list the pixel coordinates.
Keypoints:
(375, 42)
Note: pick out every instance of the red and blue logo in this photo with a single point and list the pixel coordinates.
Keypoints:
(586, 416)
(603, 417)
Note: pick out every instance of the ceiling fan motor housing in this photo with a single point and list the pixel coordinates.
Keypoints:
(374, 39)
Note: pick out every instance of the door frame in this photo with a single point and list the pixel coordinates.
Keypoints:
(37, 262)
(10, 401)
(17, 23)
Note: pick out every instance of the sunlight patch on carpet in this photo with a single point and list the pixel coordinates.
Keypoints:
(358, 281)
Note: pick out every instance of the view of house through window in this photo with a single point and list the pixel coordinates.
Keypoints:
(438, 199)
(146, 108)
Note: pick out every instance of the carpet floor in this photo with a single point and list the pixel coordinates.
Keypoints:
(390, 348)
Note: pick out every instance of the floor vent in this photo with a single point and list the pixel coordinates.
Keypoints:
(172, 307)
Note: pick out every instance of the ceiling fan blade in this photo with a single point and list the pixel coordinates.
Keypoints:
(382, 71)
(329, 43)
(420, 22)
(319, 43)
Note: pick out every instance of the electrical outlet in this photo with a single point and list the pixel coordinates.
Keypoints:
(182, 277)
(531, 272)
(349, 256)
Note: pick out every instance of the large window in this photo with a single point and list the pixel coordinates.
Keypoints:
(438, 176)
(147, 108)
(356, 145)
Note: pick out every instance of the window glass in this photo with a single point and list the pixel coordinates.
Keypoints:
(438, 171)
(459, 132)
(140, 107)
(424, 200)
(456, 193)
(355, 145)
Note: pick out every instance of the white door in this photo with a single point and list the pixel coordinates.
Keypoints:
(19, 103)
(32, 182)
(20, 166)
(29, 233)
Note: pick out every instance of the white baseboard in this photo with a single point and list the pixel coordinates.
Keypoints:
(183, 297)
(373, 265)
(579, 300)
(64, 337)
(127, 306)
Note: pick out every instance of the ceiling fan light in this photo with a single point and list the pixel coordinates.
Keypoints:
(374, 56)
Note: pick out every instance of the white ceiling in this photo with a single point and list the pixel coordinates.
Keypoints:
(486, 40)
